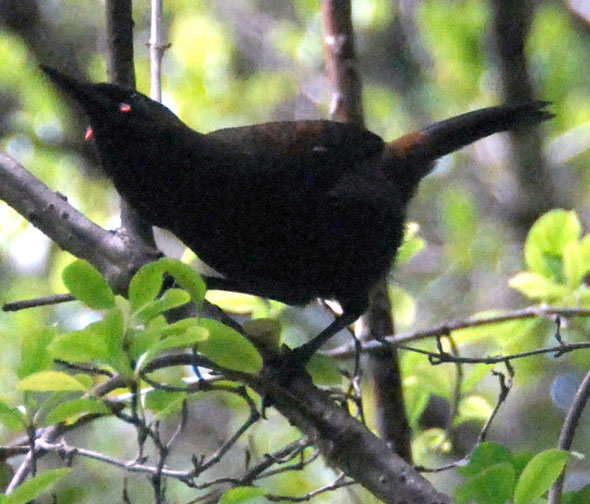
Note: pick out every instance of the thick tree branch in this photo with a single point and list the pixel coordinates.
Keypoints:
(49, 211)
(343, 441)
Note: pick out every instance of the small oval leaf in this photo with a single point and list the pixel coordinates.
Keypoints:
(73, 409)
(31, 489)
(228, 348)
(145, 285)
(11, 418)
(86, 284)
(539, 474)
(324, 371)
(49, 381)
(245, 495)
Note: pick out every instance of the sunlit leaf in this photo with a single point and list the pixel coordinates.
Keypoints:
(492, 486)
(72, 409)
(229, 349)
(485, 455)
(11, 418)
(49, 381)
(536, 286)
(539, 474)
(546, 242)
(245, 495)
(34, 487)
(86, 284)
(34, 354)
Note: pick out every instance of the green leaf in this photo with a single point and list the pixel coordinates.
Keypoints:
(228, 348)
(324, 371)
(172, 298)
(486, 455)
(266, 332)
(34, 354)
(573, 265)
(492, 486)
(585, 253)
(49, 381)
(32, 488)
(536, 286)
(86, 284)
(191, 336)
(539, 474)
(192, 333)
(81, 346)
(179, 327)
(580, 497)
(246, 495)
(145, 285)
(187, 278)
(114, 334)
(547, 239)
(164, 403)
(12, 418)
(71, 410)
(236, 302)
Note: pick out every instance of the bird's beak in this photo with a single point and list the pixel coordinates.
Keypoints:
(85, 93)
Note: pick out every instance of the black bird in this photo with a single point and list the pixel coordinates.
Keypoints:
(291, 210)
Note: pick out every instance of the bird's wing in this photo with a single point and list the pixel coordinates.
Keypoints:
(323, 150)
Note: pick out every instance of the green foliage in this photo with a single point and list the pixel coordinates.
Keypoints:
(455, 43)
(147, 283)
(496, 475)
(582, 496)
(50, 381)
(245, 495)
(213, 79)
(86, 284)
(558, 259)
(324, 371)
(34, 487)
(69, 411)
(539, 474)
(11, 418)
(228, 348)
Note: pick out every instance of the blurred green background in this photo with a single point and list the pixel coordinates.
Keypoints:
(247, 61)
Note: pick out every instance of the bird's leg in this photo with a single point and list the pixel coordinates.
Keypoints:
(291, 363)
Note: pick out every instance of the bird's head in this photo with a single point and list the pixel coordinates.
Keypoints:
(114, 107)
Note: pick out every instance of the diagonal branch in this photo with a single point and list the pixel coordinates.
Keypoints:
(50, 212)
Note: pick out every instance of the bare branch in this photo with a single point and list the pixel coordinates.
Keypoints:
(568, 430)
(53, 215)
(347, 351)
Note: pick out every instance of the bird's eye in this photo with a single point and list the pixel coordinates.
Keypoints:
(124, 108)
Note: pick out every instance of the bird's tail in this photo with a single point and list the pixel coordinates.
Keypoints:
(415, 152)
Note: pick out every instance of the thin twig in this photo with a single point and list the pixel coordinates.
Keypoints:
(568, 430)
(340, 482)
(505, 386)
(34, 303)
(347, 351)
